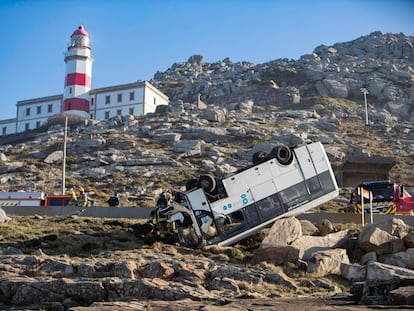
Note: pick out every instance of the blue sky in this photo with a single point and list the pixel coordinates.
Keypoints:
(133, 39)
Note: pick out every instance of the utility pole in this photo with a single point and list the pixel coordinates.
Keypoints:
(64, 156)
(365, 92)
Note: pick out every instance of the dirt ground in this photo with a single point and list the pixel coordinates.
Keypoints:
(278, 304)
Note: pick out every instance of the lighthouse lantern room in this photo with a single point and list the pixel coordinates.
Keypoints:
(76, 98)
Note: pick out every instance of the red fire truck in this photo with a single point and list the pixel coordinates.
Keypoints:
(387, 198)
(35, 198)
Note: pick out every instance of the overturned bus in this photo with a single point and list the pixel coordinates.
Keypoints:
(283, 182)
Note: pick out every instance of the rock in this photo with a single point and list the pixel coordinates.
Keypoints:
(402, 296)
(277, 255)
(409, 240)
(353, 272)
(54, 157)
(224, 283)
(125, 269)
(307, 245)
(327, 261)
(400, 259)
(157, 270)
(188, 146)
(382, 272)
(368, 258)
(215, 115)
(308, 228)
(333, 88)
(283, 232)
(325, 227)
(373, 238)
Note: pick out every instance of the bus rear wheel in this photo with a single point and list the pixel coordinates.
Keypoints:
(282, 154)
(207, 182)
(258, 157)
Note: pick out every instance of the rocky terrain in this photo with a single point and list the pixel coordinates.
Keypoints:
(97, 264)
(220, 114)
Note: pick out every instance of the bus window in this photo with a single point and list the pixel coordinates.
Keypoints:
(269, 207)
(294, 195)
(235, 222)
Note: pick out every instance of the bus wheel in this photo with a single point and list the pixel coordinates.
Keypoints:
(207, 182)
(282, 154)
(191, 184)
(259, 157)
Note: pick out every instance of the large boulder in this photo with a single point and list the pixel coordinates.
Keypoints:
(327, 261)
(400, 259)
(382, 272)
(278, 255)
(385, 237)
(283, 232)
(307, 245)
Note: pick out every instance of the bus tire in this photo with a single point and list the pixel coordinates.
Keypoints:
(282, 154)
(258, 157)
(191, 184)
(207, 182)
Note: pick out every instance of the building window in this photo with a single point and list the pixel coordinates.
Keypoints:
(39, 109)
(131, 111)
(27, 126)
(4, 130)
(27, 112)
(107, 99)
(70, 90)
(155, 101)
(131, 95)
(91, 115)
(49, 108)
(119, 112)
(92, 101)
(106, 114)
(119, 98)
(37, 124)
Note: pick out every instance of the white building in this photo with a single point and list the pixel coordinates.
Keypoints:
(78, 98)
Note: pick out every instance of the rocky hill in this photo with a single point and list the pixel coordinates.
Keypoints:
(220, 113)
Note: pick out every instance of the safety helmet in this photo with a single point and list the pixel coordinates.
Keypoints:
(81, 189)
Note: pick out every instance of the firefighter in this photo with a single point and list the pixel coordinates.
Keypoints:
(158, 218)
(73, 201)
(113, 200)
(83, 197)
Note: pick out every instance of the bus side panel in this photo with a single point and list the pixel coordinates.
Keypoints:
(304, 159)
(231, 204)
(263, 190)
(319, 157)
(289, 175)
(242, 181)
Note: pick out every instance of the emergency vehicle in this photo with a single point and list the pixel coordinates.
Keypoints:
(387, 198)
(283, 182)
(37, 198)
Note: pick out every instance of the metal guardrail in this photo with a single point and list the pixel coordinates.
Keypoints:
(141, 213)
(95, 211)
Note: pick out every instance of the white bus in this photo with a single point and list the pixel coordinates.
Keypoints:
(284, 182)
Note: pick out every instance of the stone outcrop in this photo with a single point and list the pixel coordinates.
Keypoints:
(383, 63)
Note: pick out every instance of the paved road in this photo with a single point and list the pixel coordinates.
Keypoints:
(140, 212)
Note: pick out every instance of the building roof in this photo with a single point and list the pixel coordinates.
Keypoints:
(365, 162)
(80, 31)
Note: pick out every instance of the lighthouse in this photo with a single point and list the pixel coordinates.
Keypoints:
(76, 98)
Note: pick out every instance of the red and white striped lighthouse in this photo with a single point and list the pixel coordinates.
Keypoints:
(78, 61)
